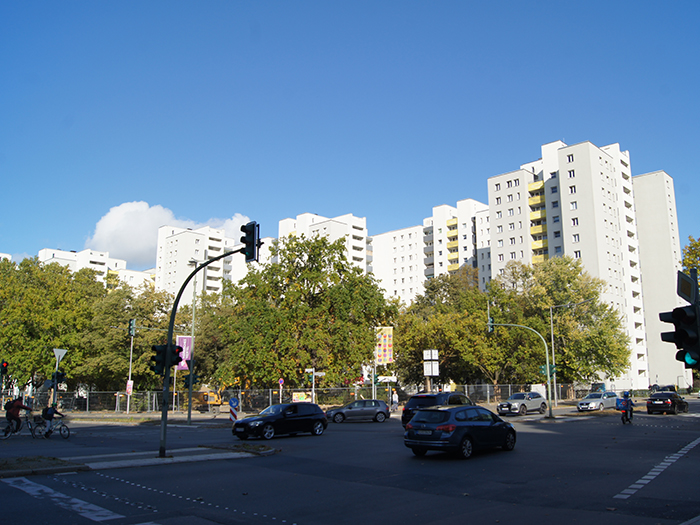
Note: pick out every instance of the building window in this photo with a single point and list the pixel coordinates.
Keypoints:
(512, 255)
(510, 183)
(499, 215)
(557, 234)
(555, 204)
(577, 254)
(511, 226)
(498, 200)
(510, 212)
(557, 249)
(498, 187)
(510, 198)
(500, 243)
(570, 158)
(512, 240)
(555, 218)
(499, 229)
(574, 205)
(574, 221)
(572, 190)
(572, 174)
(554, 189)
(500, 257)
(576, 237)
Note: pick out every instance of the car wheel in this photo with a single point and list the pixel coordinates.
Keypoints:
(380, 417)
(268, 431)
(338, 418)
(317, 429)
(466, 448)
(675, 410)
(543, 408)
(523, 410)
(420, 452)
(509, 443)
(601, 407)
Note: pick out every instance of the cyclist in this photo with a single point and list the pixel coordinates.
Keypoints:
(12, 409)
(48, 414)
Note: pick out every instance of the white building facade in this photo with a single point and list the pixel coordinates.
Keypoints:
(100, 262)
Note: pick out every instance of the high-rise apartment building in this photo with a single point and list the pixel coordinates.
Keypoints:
(348, 227)
(399, 262)
(579, 200)
(100, 262)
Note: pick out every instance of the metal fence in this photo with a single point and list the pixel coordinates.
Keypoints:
(257, 399)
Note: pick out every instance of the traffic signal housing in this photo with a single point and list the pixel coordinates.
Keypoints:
(250, 239)
(158, 359)
(176, 356)
(686, 320)
(3, 367)
(489, 325)
(132, 327)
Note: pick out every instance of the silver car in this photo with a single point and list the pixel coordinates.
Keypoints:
(373, 409)
(597, 401)
(521, 403)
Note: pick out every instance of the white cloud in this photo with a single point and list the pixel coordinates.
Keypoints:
(130, 231)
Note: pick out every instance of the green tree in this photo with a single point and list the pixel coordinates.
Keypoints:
(310, 309)
(691, 254)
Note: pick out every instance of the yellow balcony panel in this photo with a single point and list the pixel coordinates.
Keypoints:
(539, 258)
(451, 234)
(535, 186)
(452, 222)
(452, 244)
(453, 256)
(539, 214)
(541, 228)
(536, 200)
(453, 267)
(538, 245)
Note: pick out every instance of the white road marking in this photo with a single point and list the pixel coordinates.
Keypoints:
(656, 471)
(85, 509)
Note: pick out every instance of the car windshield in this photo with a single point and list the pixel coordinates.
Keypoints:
(593, 396)
(430, 416)
(517, 396)
(273, 410)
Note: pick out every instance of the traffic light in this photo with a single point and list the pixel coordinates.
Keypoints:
(132, 327)
(176, 356)
(193, 378)
(3, 368)
(60, 377)
(159, 359)
(686, 320)
(250, 239)
(489, 325)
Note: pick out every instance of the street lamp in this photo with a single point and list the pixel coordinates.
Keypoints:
(551, 329)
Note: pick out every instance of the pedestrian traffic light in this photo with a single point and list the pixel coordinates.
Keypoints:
(489, 325)
(132, 327)
(159, 359)
(686, 320)
(191, 378)
(3, 368)
(250, 239)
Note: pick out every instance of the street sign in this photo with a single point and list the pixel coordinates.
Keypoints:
(281, 381)
(233, 409)
(431, 368)
(387, 379)
(59, 353)
(430, 355)
(129, 387)
(319, 374)
(687, 288)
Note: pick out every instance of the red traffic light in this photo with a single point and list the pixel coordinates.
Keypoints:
(3, 368)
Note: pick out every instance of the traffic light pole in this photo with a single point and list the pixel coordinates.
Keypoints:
(171, 328)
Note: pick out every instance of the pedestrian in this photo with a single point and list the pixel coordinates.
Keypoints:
(394, 401)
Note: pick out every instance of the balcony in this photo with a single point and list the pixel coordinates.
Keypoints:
(451, 234)
(429, 249)
(537, 200)
(540, 228)
(536, 186)
(453, 267)
(429, 272)
(452, 222)
(539, 258)
(453, 256)
(452, 245)
(538, 245)
(537, 215)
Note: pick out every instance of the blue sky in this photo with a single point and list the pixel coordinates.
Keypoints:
(116, 117)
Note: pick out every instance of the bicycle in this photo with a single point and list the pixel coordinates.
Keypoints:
(59, 426)
(34, 425)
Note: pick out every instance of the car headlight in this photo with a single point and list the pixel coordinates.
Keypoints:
(255, 424)
(514, 405)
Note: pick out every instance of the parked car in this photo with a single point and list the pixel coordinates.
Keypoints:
(459, 429)
(597, 401)
(668, 402)
(521, 403)
(418, 401)
(286, 418)
(372, 409)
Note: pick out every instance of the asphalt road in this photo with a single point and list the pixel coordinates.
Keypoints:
(571, 470)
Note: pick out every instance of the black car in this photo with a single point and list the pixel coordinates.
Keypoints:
(286, 418)
(458, 429)
(431, 400)
(668, 402)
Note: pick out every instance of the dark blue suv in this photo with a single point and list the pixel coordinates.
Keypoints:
(425, 400)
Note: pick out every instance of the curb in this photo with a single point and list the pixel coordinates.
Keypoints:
(44, 470)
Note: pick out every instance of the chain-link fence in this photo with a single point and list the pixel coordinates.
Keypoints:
(254, 400)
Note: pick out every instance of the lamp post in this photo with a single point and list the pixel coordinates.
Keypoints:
(192, 262)
(551, 329)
